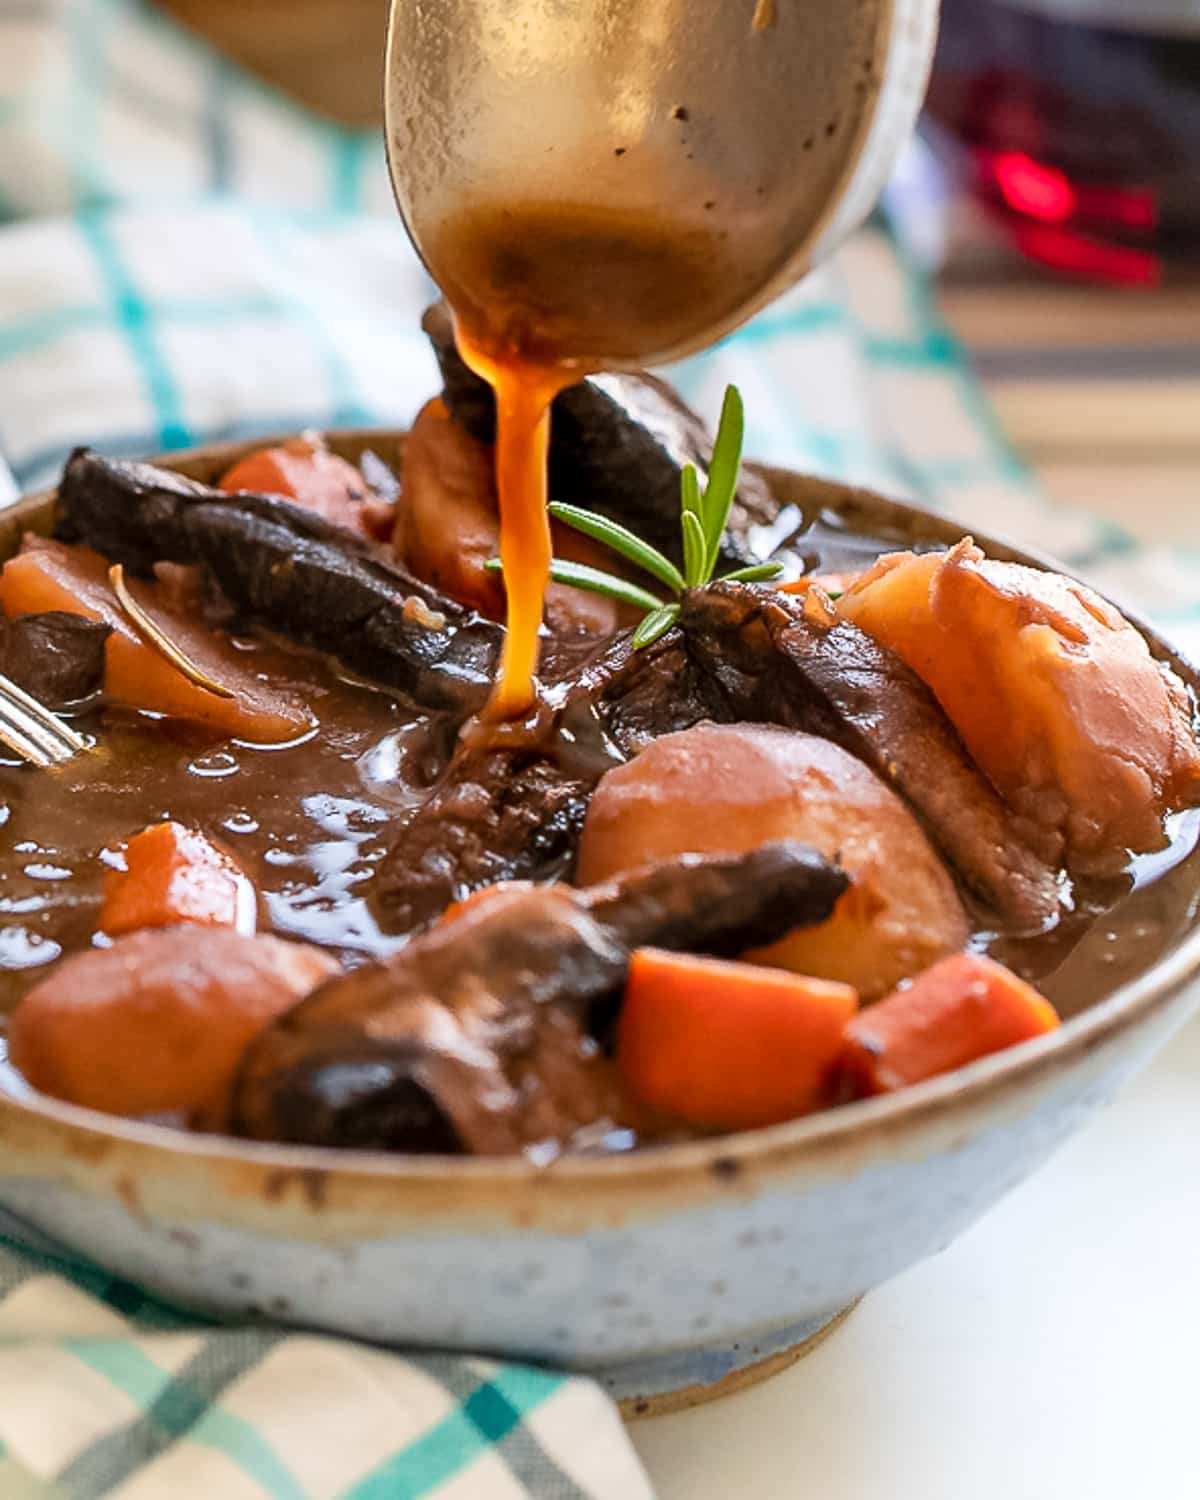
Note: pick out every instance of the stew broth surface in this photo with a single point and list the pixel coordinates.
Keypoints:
(310, 821)
(307, 821)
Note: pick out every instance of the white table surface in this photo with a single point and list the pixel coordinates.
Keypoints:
(1050, 1354)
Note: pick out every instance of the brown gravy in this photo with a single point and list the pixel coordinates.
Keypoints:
(310, 822)
(307, 821)
(632, 286)
(633, 282)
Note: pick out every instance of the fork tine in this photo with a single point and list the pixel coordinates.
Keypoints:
(26, 748)
(20, 725)
(29, 728)
(40, 714)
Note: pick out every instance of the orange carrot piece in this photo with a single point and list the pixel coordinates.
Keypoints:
(959, 1010)
(50, 576)
(309, 474)
(482, 897)
(831, 583)
(729, 1046)
(173, 874)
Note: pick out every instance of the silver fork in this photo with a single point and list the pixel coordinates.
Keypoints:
(29, 728)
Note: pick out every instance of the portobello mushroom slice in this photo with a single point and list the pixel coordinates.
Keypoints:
(617, 445)
(288, 570)
(778, 663)
(476, 1037)
(516, 811)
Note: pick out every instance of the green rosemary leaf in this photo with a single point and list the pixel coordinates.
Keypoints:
(579, 576)
(695, 550)
(622, 541)
(759, 573)
(689, 486)
(655, 626)
(723, 470)
(703, 517)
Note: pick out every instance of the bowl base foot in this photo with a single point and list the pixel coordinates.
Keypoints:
(674, 1382)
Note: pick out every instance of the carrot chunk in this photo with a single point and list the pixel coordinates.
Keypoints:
(173, 874)
(483, 897)
(157, 1023)
(50, 576)
(729, 1046)
(833, 584)
(306, 472)
(959, 1010)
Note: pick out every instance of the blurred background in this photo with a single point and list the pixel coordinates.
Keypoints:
(1054, 193)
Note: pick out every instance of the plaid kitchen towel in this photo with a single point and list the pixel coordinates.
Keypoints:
(104, 1392)
(189, 257)
(184, 256)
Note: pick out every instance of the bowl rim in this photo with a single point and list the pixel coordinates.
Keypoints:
(697, 1166)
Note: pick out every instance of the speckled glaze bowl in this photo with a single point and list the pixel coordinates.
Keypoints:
(668, 1274)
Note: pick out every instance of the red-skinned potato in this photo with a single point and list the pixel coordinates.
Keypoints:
(448, 527)
(304, 470)
(729, 788)
(1053, 691)
(157, 1023)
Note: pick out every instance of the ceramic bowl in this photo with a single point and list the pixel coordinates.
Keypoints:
(666, 1273)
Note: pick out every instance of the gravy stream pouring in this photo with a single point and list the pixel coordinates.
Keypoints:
(603, 188)
(531, 324)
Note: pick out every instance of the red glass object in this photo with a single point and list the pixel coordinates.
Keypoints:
(1079, 122)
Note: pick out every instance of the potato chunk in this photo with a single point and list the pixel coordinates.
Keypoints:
(304, 470)
(729, 788)
(1053, 691)
(158, 1022)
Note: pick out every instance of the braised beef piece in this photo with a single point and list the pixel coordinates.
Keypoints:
(475, 1037)
(516, 813)
(57, 657)
(780, 664)
(663, 690)
(284, 568)
(501, 815)
(617, 445)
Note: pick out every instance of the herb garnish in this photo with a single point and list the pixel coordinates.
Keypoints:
(703, 515)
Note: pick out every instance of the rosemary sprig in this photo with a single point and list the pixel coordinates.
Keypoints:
(703, 515)
(655, 625)
(723, 470)
(580, 576)
(621, 540)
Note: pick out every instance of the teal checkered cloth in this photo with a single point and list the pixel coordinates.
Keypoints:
(184, 257)
(105, 1392)
(189, 257)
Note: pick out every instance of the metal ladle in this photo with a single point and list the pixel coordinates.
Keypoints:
(706, 152)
